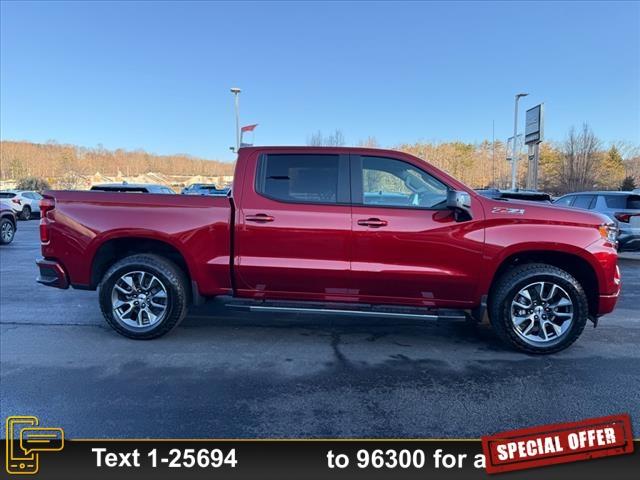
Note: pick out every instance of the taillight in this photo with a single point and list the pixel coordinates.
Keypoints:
(624, 217)
(16, 200)
(46, 205)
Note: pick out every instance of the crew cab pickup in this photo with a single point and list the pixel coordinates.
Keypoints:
(349, 231)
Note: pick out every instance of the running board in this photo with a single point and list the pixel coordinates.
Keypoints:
(375, 311)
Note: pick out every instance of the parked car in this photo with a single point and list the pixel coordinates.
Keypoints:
(24, 203)
(343, 231)
(529, 195)
(133, 188)
(8, 224)
(204, 189)
(623, 208)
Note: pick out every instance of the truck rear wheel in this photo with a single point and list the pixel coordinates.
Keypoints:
(538, 308)
(144, 296)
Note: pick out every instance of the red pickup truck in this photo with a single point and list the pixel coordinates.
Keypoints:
(350, 231)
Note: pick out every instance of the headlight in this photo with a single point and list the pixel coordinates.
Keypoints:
(609, 232)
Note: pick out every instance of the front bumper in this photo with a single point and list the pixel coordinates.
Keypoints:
(51, 274)
(606, 303)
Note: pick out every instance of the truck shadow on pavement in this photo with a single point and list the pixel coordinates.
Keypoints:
(443, 332)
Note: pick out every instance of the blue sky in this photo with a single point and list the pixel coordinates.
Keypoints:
(156, 75)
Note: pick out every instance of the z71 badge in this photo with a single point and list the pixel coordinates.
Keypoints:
(507, 210)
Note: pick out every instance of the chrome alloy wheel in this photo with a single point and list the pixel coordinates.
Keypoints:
(541, 312)
(139, 299)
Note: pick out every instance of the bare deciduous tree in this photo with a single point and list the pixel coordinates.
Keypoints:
(335, 139)
(315, 139)
(33, 183)
(580, 157)
(370, 142)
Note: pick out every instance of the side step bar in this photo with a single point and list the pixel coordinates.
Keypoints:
(377, 311)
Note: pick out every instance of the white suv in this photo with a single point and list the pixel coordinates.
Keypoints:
(22, 202)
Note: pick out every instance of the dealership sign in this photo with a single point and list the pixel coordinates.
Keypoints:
(533, 131)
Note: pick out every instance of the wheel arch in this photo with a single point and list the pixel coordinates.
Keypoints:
(117, 248)
(10, 217)
(574, 264)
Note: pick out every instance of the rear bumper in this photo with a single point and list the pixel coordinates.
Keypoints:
(51, 274)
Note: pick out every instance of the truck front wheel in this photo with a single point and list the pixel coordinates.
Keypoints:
(538, 308)
(144, 296)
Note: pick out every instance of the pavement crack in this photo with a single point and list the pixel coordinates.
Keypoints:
(335, 345)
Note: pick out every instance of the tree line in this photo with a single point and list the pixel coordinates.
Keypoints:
(52, 162)
(579, 162)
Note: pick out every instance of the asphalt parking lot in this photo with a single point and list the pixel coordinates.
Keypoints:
(226, 374)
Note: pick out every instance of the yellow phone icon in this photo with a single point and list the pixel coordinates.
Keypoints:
(19, 462)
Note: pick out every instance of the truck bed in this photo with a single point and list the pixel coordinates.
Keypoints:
(90, 225)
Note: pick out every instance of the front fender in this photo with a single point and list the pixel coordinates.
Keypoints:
(508, 240)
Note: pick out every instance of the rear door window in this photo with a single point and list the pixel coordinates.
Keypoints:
(7, 195)
(299, 178)
(585, 201)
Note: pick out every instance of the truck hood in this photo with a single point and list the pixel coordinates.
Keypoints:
(544, 212)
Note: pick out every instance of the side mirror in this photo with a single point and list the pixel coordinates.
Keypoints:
(460, 203)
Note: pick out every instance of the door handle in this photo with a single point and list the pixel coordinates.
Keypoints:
(373, 222)
(259, 218)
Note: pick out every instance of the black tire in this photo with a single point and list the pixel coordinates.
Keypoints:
(7, 231)
(26, 213)
(173, 279)
(516, 279)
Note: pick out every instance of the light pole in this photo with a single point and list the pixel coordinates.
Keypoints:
(236, 93)
(514, 157)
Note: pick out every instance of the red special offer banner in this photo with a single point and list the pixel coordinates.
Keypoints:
(559, 443)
